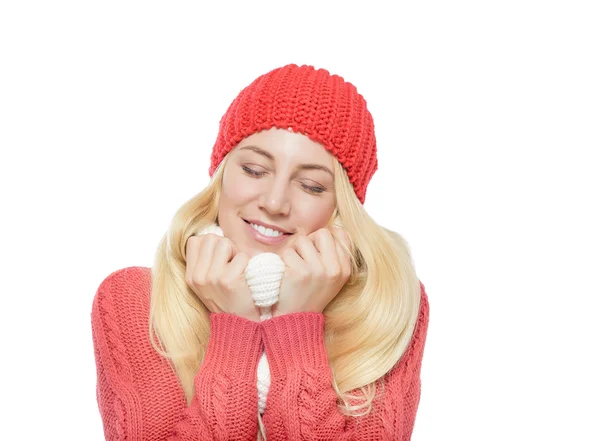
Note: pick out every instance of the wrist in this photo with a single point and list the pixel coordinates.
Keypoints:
(234, 345)
(276, 312)
(295, 341)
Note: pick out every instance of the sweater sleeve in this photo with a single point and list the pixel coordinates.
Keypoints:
(302, 404)
(225, 404)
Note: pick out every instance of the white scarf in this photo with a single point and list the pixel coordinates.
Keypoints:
(263, 274)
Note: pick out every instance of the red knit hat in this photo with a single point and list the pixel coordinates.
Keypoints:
(310, 101)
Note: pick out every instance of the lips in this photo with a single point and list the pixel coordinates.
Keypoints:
(266, 226)
(266, 240)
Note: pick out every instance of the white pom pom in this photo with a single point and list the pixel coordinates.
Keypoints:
(263, 274)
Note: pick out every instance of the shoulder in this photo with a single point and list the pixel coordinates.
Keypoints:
(120, 312)
(123, 280)
(124, 291)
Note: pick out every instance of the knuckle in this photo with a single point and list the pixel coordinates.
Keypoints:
(322, 233)
(342, 235)
(194, 280)
(227, 244)
(191, 243)
(227, 283)
(346, 273)
(212, 280)
(333, 272)
(320, 273)
(303, 275)
(302, 240)
(209, 238)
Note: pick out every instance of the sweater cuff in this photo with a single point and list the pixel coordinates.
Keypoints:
(295, 342)
(234, 346)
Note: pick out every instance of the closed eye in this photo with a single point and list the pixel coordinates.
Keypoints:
(252, 172)
(313, 190)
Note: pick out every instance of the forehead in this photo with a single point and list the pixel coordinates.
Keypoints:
(286, 145)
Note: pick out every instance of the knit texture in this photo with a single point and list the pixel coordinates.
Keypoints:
(140, 398)
(263, 276)
(322, 106)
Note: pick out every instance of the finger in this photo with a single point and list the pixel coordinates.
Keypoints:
(205, 251)
(292, 242)
(236, 267)
(344, 260)
(325, 244)
(292, 259)
(343, 236)
(191, 248)
(223, 253)
(307, 251)
(191, 255)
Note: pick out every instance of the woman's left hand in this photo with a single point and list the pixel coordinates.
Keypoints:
(316, 269)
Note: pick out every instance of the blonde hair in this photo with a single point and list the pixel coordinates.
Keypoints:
(368, 325)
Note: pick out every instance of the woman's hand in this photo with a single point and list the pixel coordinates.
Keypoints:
(215, 272)
(316, 269)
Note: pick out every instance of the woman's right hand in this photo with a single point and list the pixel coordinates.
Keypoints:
(215, 271)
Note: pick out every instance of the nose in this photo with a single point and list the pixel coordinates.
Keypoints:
(275, 199)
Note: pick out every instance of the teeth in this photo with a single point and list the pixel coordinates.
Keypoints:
(266, 231)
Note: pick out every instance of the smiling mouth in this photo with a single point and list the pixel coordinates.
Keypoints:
(282, 233)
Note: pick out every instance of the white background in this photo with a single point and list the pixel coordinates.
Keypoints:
(488, 125)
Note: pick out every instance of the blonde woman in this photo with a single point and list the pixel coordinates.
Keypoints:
(178, 345)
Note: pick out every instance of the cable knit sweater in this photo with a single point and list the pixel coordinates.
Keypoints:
(140, 397)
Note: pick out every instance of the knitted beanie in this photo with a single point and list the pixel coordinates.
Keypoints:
(324, 107)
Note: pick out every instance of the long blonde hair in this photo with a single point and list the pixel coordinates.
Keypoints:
(368, 325)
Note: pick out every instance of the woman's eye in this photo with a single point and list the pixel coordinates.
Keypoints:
(315, 190)
(252, 172)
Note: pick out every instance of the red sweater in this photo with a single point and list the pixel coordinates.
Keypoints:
(140, 397)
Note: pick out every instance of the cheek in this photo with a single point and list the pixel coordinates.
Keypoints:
(315, 216)
(234, 190)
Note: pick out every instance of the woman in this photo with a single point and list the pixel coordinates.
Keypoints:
(177, 346)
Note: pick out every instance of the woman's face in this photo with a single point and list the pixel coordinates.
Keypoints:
(279, 178)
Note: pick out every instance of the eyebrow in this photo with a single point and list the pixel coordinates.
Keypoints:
(271, 158)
